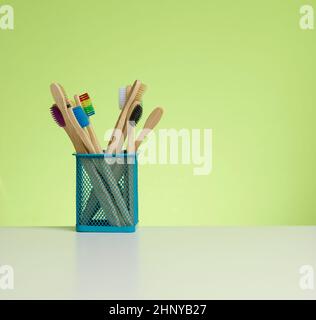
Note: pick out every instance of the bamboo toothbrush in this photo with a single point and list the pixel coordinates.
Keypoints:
(115, 142)
(113, 188)
(123, 95)
(71, 106)
(152, 120)
(133, 119)
(83, 120)
(106, 172)
(65, 107)
(86, 104)
(130, 126)
(81, 117)
(103, 195)
(62, 106)
(115, 139)
(59, 119)
(134, 114)
(89, 110)
(85, 136)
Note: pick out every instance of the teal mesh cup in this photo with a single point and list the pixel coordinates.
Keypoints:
(107, 192)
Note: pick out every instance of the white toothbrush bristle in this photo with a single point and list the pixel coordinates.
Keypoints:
(122, 97)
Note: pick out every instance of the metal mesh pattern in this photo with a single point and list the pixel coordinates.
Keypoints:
(106, 191)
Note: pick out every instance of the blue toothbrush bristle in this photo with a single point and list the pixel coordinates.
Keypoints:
(81, 117)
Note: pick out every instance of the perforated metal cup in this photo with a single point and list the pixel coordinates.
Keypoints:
(107, 192)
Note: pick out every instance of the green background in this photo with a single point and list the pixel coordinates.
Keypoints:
(243, 68)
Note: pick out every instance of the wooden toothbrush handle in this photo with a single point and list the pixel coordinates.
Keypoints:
(105, 170)
(92, 135)
(131, 147)
(151, 122)
(102, 193)
(94, 139)
(128, 91)
(60, 98)
(80, 132)
(124, 131)
(79, 147)
(113, 144)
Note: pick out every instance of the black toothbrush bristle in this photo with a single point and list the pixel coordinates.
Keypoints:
(136, 114)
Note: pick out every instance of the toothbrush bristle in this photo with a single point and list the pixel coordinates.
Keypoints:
(140, 92)
(87, 104)
(89, 110)
(122, 97)
(85, 100)
(57, 116)
(81, 117)
(84, 96)
(136, 114)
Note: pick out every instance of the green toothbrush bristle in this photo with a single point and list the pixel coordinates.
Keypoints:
(89, 111)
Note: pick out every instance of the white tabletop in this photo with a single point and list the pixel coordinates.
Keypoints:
(159, 263)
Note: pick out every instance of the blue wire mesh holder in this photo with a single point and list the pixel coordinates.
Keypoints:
(106, 192)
